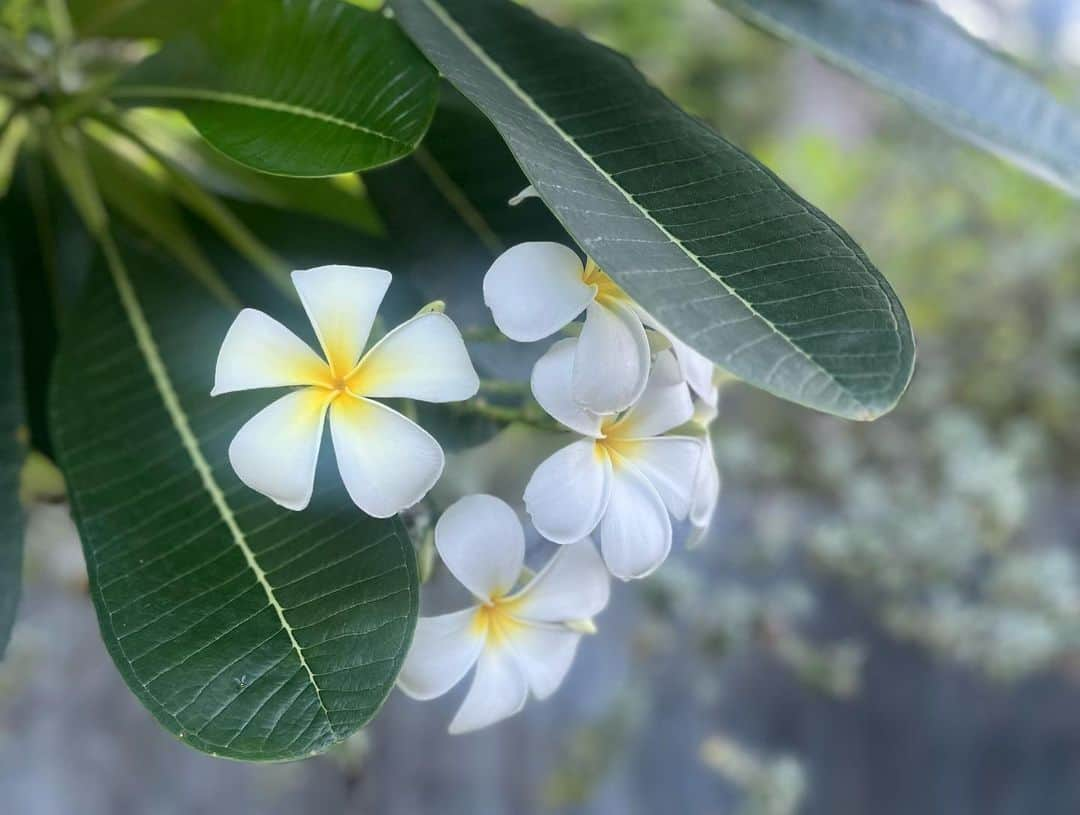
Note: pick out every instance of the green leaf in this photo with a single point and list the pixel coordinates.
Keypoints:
(13, 434)
(449, 200)
(160, 19)
(65, 149)
(247, 630)
(714, 245)
(15, 131)
(339, 198)
(294, 87)
(130, 188)
(914, 52)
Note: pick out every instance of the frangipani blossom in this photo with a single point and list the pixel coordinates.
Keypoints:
(386, 461)
(624, 475)
(518, 641)
(535, 289)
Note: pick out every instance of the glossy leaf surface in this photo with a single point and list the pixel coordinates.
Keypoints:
(711, 242)
(247, 630)
(294, 87)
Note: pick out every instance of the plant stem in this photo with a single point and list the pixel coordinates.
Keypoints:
(502, 386)
(485, 334)
(529, 414)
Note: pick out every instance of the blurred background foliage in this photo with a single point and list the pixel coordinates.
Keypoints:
(851, 564)
(953, 521)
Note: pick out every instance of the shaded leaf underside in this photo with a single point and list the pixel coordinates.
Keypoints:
(914, 52)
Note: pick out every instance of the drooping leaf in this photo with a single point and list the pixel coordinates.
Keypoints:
(914, 52)
(294, 87)
(719, 249)
(143, 200)
(13, 436)
(339, 198)
(12, 136)
(160, 19)
(247, 630)
(64, 146)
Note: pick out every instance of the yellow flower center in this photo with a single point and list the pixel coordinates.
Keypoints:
(613, 441)
(606, 288)
(334, 385)
(353, 383)
(495, 619)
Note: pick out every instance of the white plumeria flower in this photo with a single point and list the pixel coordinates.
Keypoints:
(387, 462)
(518, 641)
(624, 475)
(697, 369)
(707, 482)
(535, 289)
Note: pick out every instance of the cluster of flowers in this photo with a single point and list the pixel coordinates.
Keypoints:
(637, 399)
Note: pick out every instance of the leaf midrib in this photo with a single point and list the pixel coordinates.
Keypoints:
(144, 338)
(480, 53)
(257, 102)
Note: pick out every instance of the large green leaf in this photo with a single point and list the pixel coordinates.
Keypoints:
(912, 51)
(13, 434)
(294, 87)
(247, 630)
(707, 239)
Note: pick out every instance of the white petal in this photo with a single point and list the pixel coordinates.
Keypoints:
(259, 352)
(481, 541)
(573, 585)
(544, 655)
(551, 386)
(664, 405)
(423, 358)
(611, 365)
(498, 690)
(341, 302)
(704, 413)
(387, 462)
(534, 289)
(567, 494)
(636, 530)
(671, 464)
(276, 451)
(696, 368)
(706, 497)
(442, 651)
